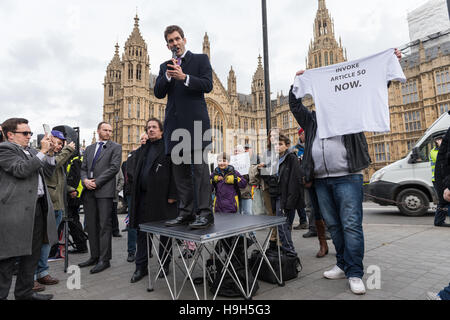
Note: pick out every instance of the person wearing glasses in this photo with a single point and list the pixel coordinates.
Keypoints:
(27, 219)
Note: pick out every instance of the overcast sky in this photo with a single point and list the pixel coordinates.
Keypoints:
(54, 54)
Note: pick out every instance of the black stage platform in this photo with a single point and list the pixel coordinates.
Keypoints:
(226, 225)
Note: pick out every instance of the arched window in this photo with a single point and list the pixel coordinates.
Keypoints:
(138, 72)
(315, 61)
(129, 134)
(261, 102)
(320, 59)
(331, 58)
(130, 71)
(129, 108)
(111, 90)
(326, 58)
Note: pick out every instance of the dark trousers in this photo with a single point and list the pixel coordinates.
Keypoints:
(27, 264)
(98, 225)
(142, 253)
(441, 209)
(194, 189)
(301, 215)
(76, 229)
(314, 210)
(114, 219)
(284, 230)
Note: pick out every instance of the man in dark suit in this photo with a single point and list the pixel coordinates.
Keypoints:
(153, 195)
(101, 162)
(27, 219)
(184, 81)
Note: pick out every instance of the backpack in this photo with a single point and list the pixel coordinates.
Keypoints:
(289, 266)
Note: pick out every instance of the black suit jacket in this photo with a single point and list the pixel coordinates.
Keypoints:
(186, 104)
(151, 204)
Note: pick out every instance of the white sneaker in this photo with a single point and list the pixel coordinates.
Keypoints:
(357, 285)
(335, 273)
(433, 296)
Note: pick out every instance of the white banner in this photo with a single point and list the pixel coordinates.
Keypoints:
(241, 162)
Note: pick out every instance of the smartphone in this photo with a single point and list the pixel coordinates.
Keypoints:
(46, 129)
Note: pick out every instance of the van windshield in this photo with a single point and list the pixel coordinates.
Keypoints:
(425, 149)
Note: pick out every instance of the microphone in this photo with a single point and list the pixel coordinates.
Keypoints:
(174, 52)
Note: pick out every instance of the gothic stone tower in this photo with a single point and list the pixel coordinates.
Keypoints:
(127, 91)
(324, 50)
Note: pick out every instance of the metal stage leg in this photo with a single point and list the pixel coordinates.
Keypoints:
(281, 283)
(225, 269)
(264, 258)
(249, 294)
(66, 243)
(150, 282)
(204, 276)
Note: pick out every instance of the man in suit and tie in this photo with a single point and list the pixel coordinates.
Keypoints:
(27, 219)
(184, 81)
(101, 162)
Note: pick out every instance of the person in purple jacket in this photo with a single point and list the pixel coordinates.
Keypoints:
(226, 182)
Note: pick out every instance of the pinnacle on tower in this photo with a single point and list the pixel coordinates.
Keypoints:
(136, 21)
(206, 45)
(322, 5)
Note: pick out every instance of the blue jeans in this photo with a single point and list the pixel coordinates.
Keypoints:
(440, 215)
(340, 201)
(42, 268)
(445, 294)
(246, 206)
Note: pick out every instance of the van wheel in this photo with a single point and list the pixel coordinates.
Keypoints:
(413, 202)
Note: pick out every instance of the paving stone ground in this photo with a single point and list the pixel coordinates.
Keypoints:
(412, 260)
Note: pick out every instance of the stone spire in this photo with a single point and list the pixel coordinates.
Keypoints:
(322, 5)
(206, 46)
(324, 50)
(258, 89)
(232, 90)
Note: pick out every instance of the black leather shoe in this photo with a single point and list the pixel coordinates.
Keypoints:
(202, 222)
(131, 257)
(78, 251)
(179, 221)
(310, 234)
(99, 267)
(117, 235)
(36, 296)
(166, 270)
(90, 262)
(139, 274)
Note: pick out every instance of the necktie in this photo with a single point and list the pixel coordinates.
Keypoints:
(179, 61)
(97, 154)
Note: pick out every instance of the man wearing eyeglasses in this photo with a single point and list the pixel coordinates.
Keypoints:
(27, 219)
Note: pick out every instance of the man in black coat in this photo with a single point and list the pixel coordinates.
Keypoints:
(153, 195)
(184, 81)
(442, 181)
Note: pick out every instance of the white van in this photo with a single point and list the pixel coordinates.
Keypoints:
(407, 182)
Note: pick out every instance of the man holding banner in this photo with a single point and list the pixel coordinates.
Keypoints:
(336, 149)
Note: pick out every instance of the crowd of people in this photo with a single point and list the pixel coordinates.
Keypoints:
(320, 179)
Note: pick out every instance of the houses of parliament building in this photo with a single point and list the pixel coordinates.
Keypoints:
(129, 100)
